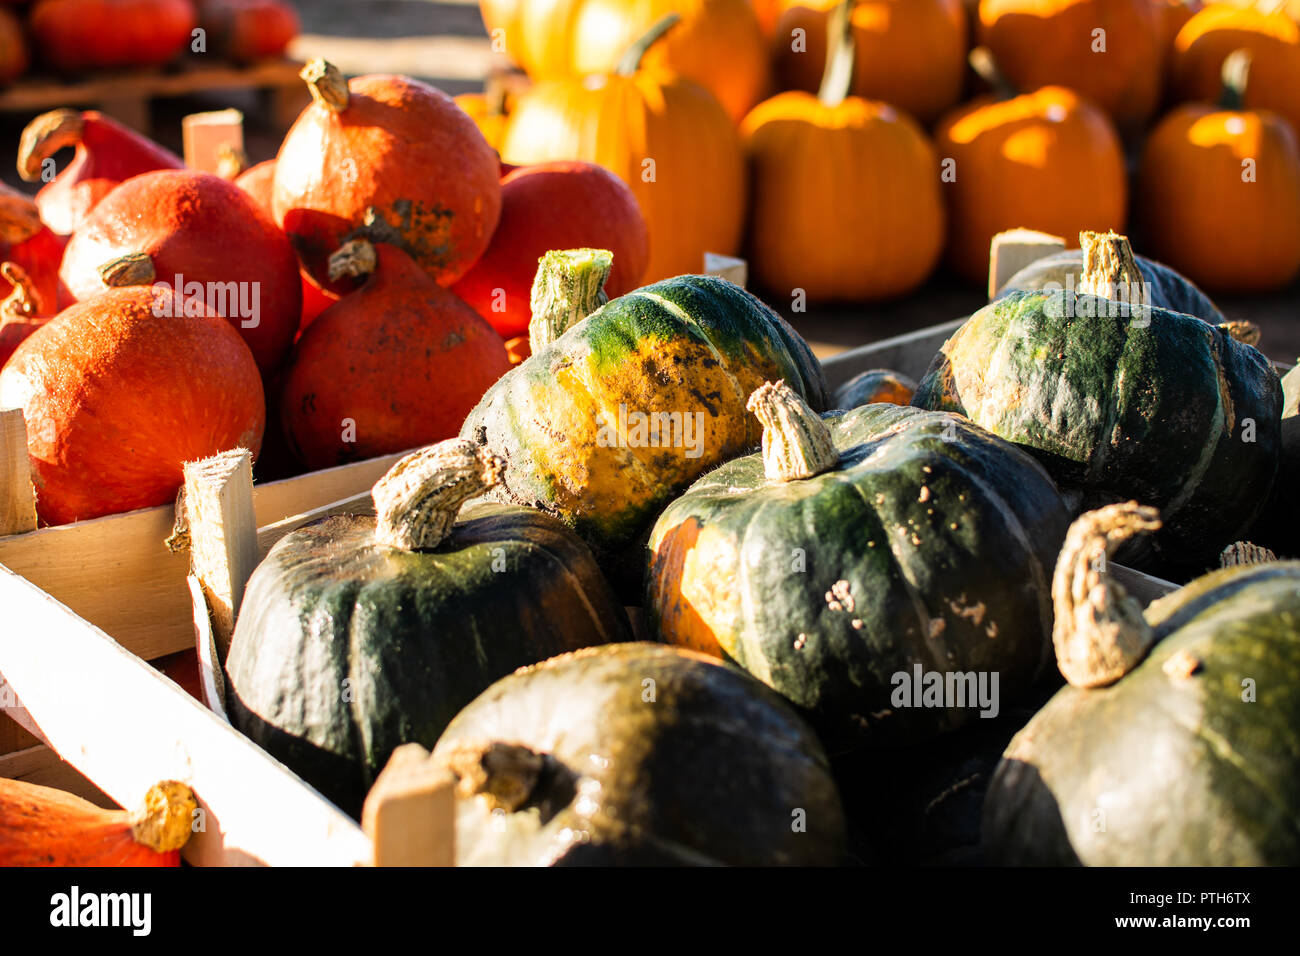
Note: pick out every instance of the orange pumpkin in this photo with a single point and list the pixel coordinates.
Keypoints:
(768, 13)
(910, 53)
(14, 55)
(1047, 160)
(1044, 42)
(22, 312)
(1273, 41)
(667, 138)
(846, 198)
(490, 111)
(1219, 192)
(78, 35)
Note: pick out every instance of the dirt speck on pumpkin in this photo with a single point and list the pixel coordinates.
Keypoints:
(937, 626)
(800, 641)
(973, 613)
(924, 496)
(1181, 665)
(839, 597)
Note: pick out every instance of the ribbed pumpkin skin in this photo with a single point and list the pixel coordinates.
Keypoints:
(710, 770)
(954, 577)
(693, 198)
(1186, 770)
(847, 203)
(694, 344)
(910, 53)
(1235, 236)
(416, 635)
(1117, 412)
(1021, 163)
(1167, 288)
(117, 399)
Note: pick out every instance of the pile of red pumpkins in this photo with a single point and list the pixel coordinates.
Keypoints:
(352, 297)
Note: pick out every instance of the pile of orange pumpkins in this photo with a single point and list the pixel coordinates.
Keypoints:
(849, 170)
(79, 36)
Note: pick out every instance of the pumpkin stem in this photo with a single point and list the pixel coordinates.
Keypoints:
(134, 268)
(1100, 633)
(837, 78)
(45, 136)
(19, 218)
(496, 94)
(1245, 552)
(1235, 77)
(505, 775)
(796, 442)
(1247, 333)
(568, 287)
(231, 161)
(165, 820)
(1109, 269)
(630, 61)
(981, 60)
(328, 86)
(418, 499)
(356, 257)
(25, 300)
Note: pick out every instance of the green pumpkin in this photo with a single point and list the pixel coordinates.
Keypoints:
(1191, 757)
(873, 386)
(571, 420)
(638, 754)
(348, 645)
(1278, 524)
(1153, 405)
(859, 548)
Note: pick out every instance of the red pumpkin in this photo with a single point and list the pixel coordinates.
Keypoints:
(21, 313)
(247, 30)
(74, 35)
(118, 395)
(29, 243)
(208, 231)
(106, 154)
(394, 159)
(397, 364)
(14, 55)
(557, 205)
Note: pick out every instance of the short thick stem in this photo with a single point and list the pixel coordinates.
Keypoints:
(328, 86)
(356, 258)
(1099, 633)
(796, 442)
(981, 60)
(1235, 78)
(134, 268)
(45, 136)
(568, 287)
(25, 300)
(1247, 333)
(417, 501)
(165, 820)
(231, 161)
(19, 218)
(505, 775)
(1109, 268)
(1245, 552)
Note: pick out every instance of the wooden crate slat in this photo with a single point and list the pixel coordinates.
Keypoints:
(41, 765)
(909, 353)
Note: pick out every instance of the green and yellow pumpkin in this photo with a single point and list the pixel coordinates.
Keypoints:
(875, 550)
(359, 633)
(875, 385)
(1122, 402)
(1177, 742)
(642, 755)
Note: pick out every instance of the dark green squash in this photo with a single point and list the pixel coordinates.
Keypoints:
(638, 754)
(691, 348)
(1189, 756)
(352, 640)
(873, 386)
(919, 541)
(1278, 524)
(1118, 403)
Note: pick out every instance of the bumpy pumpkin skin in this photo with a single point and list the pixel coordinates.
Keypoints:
(1166, 288)
(1185, 770)
(709, 770)
(1117, 411)
(416, 635)
(694, 345)
(944, 546)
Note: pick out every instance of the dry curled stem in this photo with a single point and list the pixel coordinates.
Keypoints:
(417, 501)
(796, 442)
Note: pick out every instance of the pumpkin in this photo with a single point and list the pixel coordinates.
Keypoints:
(1270, 37)
(1176, 742)
(392, 159)
(668, 139)
(1019, 161)
(199, 230)
(910, 53)
(14, 55)
(76, 35)
(1278, 524)
(768, 12)
(42, 826)
(846, 199)
(360, 633)
(29, 243)
(106, 154)
(557, 205)
(119, 391)
(1174, 14)
(1122, 401)
(638, 755)
(392, 366)
(490, 110)
(1109, 51)
(1219, 191)
(248, 30)
(606, 422)
(1162, 286)
(22, 312)
(718, 44)
(537, 34)
(859, 556)
(875, 386)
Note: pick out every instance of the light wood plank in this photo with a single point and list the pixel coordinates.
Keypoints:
(1011, 251)
(909, 353)
(206, 135)
(223, 534)
(41, 765)
(17, 501)
(731, 268)
(409, 813)
(278, 500)
(212, 676)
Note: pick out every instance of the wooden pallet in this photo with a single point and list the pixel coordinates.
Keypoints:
(126, 95)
